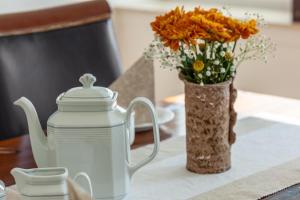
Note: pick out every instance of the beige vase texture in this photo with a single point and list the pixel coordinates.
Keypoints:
(210, 118)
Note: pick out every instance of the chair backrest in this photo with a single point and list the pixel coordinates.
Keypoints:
(296, 10)
(44, 52)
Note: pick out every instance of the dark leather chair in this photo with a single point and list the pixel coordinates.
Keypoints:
(44, 52)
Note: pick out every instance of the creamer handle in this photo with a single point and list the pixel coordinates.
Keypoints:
(148, 104)
(87, 178)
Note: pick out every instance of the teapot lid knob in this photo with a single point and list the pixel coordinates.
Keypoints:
(87, 80)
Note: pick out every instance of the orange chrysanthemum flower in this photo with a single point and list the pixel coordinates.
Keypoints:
(171, 28)
(211, 25)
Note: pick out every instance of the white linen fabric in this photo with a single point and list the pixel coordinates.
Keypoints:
(261, 146)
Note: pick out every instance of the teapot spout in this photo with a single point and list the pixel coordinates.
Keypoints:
(38, 139)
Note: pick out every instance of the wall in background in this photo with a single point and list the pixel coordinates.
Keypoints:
(281, 75)
(13, 6)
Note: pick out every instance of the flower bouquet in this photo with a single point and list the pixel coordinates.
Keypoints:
(206, 47)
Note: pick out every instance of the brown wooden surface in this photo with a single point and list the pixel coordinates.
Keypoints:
(17, 152)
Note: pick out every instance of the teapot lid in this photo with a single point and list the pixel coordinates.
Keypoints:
(88, 97)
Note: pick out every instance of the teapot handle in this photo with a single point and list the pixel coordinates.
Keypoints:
(148, 104)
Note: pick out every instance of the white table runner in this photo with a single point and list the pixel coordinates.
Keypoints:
(261, 145)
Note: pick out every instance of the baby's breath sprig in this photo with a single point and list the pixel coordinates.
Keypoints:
(258, 47)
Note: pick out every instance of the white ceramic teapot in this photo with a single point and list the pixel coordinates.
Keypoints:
(90, 133)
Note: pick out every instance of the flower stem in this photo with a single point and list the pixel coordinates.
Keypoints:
(212, 50)
(204, 53)
(226, 72)
(234, 45)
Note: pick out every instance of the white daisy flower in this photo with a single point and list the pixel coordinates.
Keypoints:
(222, 70)
(216, 62)
(208, 73)
(222, 53)
(200, 75)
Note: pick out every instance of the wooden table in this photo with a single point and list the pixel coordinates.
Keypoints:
(17, 152)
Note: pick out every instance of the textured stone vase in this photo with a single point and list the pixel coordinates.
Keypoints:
(210, 118)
